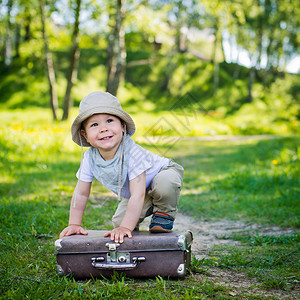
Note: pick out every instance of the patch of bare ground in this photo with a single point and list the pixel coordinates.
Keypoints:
(211, 233)
(241, 286)
(208, 234)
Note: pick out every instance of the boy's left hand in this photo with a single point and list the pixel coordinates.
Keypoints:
(118, 234)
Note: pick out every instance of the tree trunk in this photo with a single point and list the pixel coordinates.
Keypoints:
(183, 42)
(222, 46)
(269, 52)
(216, 76)
(49, 63)
(27, 24)
(116, 51)
(8, 42)
(233, 44)
(18, 38)
(73, 68)
(178, 38)
(260, 45)
(237, 67)
(250, 84)
(214, 59)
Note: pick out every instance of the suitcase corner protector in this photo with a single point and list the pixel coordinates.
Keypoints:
(181, 270)
(185, 240)
(57, 246)
(59, 270)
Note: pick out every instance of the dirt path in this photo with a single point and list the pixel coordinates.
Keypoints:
(208, 234)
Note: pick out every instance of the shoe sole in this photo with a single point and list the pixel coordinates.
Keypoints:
(159, 229)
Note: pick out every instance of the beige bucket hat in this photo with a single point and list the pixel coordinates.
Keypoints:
(99, 103)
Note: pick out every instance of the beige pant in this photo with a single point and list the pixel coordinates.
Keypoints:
(163, 193)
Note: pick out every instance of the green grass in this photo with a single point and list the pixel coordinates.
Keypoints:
(272, 260)
(248, 180)
(256, 181)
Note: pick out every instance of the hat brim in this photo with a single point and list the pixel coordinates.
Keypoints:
(76, 126)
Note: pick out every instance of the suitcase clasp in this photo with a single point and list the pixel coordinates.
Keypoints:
(120, 266)
(112, 247)
(112, 251)
(116, 260)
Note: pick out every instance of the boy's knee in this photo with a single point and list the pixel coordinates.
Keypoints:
(164, 185)
(169, 178)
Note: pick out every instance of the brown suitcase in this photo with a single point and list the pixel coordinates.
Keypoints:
(144, 255)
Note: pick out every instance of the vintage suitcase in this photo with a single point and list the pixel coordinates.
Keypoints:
(144, 255)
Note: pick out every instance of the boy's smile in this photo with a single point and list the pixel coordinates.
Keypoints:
(104, 132)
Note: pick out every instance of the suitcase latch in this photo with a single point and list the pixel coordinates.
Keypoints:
(112, 247)
(116, 260)
(112, 255)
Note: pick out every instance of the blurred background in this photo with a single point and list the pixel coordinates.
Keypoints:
(234, 63)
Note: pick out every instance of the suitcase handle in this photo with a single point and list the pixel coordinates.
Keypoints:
(119, 266)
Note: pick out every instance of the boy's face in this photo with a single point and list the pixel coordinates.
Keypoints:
(104, 132)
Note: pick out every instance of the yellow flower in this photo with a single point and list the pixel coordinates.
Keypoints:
(18, 127)
(275, 162)
(56, 129)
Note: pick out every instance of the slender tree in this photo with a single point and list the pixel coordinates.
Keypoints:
(215, 61)
(27, 23)
(116, 53)
(49, 63)
(73, 68)
(18, 40)
(8, 38)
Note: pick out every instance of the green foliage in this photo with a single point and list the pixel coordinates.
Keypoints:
(278, 104)
(160, 86)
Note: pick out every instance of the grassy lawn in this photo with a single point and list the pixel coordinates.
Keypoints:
(249, 180)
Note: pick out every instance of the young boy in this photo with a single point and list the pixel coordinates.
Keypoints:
(148, 184)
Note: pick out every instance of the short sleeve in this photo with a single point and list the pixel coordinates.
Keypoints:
(86, 174)
(140, 160)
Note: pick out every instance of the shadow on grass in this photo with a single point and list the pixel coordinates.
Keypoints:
(34, 178)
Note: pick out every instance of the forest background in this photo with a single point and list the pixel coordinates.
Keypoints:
(186, 56)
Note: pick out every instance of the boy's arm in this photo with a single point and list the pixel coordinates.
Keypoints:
(137, 188)
(76, 213)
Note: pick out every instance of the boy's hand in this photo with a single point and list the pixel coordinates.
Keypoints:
(72, 229)
(118, 234)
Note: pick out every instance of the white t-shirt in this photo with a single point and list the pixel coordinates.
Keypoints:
(140, 160)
